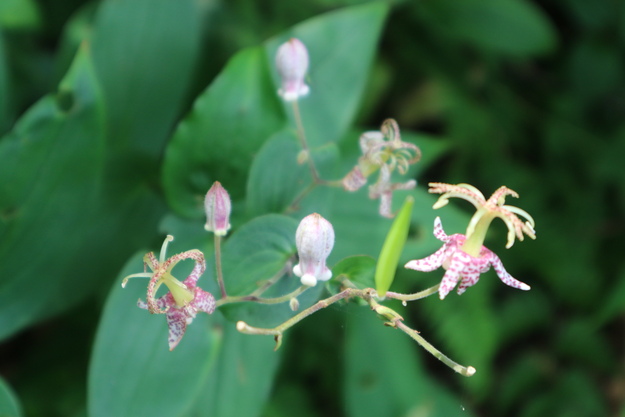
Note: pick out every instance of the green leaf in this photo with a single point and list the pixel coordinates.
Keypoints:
(19, 15)
(145, 53)
(384, 375)
(9, 405)
(217, 140)
(341, 46)
(50, 179)
(511, 27)
(358, 269)
(132, 372)
(242, 377)
(276, 179)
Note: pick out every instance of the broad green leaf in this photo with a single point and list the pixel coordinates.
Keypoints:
(241, 378)
(511, 27)
(276, 179)
(217, 140)
(257, 251)
(392, 248)
(50, 180)
(341, 45)
(132, 372)
(358, 269)
(9, 405)
(384, 375)
(19, 15)
(145, 53)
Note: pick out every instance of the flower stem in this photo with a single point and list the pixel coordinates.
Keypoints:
(412, 297)
(462, 370)
(368, 294)
(279, 330)
(220, 277)
(257, 299)
(301, 134)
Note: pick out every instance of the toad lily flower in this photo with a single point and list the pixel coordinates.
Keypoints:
(292, 64)
(184, 299)
(384, 151)
(314, 239)
(464, 256)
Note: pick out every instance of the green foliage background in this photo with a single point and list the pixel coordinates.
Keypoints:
(117, 115)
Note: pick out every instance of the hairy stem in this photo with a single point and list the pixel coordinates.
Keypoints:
(412, 297)
(257, 299)
(220, 277)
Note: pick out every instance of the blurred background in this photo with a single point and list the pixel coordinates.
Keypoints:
(530, 94)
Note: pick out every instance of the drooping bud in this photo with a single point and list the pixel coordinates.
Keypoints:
(314, 239)
(217, 206)
(292, 64)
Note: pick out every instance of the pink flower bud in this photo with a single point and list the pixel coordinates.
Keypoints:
(314, 239)
(292, 64)
(217, 205)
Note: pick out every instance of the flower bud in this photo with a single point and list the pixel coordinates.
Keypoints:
(314, 239)
(217, 205)
(292, 64)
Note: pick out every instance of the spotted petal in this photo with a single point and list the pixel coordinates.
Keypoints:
(177, 323)
(505, 276)
(458, 263)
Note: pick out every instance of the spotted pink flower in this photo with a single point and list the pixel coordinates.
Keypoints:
(184, 299)
(461, 267)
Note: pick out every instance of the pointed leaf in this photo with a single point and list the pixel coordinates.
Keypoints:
(49, 182)
(217, 140)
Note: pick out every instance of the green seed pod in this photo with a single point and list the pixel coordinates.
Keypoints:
(391, 250)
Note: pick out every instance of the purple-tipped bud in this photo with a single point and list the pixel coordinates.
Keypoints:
(292, 64)
(314, 239)
(217, 205)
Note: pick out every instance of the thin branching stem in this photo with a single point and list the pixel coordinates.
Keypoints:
(260, 300)
(220, 277)
(301, 134)
(393, 318)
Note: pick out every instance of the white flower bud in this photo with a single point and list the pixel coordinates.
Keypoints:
(217, 205)
(314, 239)
(292, 64)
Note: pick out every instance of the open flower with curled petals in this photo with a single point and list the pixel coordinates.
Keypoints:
(385, 152)
(461, 267)
(314, 239)
(464, 256)
(184, 299)
(292, 64)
